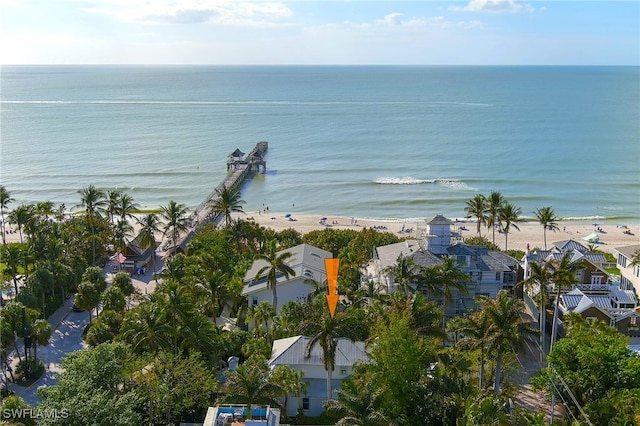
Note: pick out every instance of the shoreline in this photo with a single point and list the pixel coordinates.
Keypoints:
(530, 232)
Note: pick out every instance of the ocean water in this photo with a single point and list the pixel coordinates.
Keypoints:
(367, 141)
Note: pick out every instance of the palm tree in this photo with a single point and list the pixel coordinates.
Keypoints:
(547, 219)
(121, 232)
(227, 201)
(451, 277)
(509, 215)
(11, 257)
(7, 339)
(508, 331)
(21, 216)
(251, 383)
(145, 329)
(177, 307)
(424, 316)
(475, 329)
(149, 226)
(476, 207)
(492, 208)
(325, 331)
(44, 209)
(428, 281)
(541, 276)
(404, 272)
(212, 286)
(276, 264)
(41, 332)
(93, 200)
(88, 297)
(290, 380)
(262, 314)
(175, 220)
(359, 404)
(564, 276)
(126, 207)
(5, 199)
(113, 198)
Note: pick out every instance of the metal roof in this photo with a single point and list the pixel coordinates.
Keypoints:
(569, 245)
(628, 251)
(305, 260)
(291, 351)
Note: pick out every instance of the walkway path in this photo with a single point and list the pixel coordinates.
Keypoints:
(67, 337)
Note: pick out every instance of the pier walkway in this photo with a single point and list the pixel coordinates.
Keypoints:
(239, 167)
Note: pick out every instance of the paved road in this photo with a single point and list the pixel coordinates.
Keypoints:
(67, 337)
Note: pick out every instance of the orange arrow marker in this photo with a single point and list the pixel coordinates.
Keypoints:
(331, 265)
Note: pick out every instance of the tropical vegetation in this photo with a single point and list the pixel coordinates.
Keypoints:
(162, 358)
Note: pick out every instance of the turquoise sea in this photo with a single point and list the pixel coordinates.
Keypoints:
(365, 141)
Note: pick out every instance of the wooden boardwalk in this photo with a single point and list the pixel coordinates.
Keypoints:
(239, 167)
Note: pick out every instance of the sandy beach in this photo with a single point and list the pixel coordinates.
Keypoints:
(611, 235)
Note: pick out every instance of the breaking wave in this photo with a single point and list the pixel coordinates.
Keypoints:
(450, 183)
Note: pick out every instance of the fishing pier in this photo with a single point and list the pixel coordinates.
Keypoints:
(239, 168)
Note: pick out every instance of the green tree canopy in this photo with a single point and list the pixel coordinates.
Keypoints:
(90, 388)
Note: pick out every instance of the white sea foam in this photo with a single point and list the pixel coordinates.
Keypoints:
(408, 180)
(402, 181)
(455, 184)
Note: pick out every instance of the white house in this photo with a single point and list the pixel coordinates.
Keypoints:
(308, 264)
(291, 352)
(629, 274)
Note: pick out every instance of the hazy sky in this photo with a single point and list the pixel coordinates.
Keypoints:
(319, 32)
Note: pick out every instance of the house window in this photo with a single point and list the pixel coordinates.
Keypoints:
(633, 321)
(305, 403)
(480, 276)
(255, 301)
(498, 276)
(462, 260)
(343, 371)
(596, 279)
(622, 261)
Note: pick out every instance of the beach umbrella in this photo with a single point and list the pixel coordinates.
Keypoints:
(288, 215)
(324, 218)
